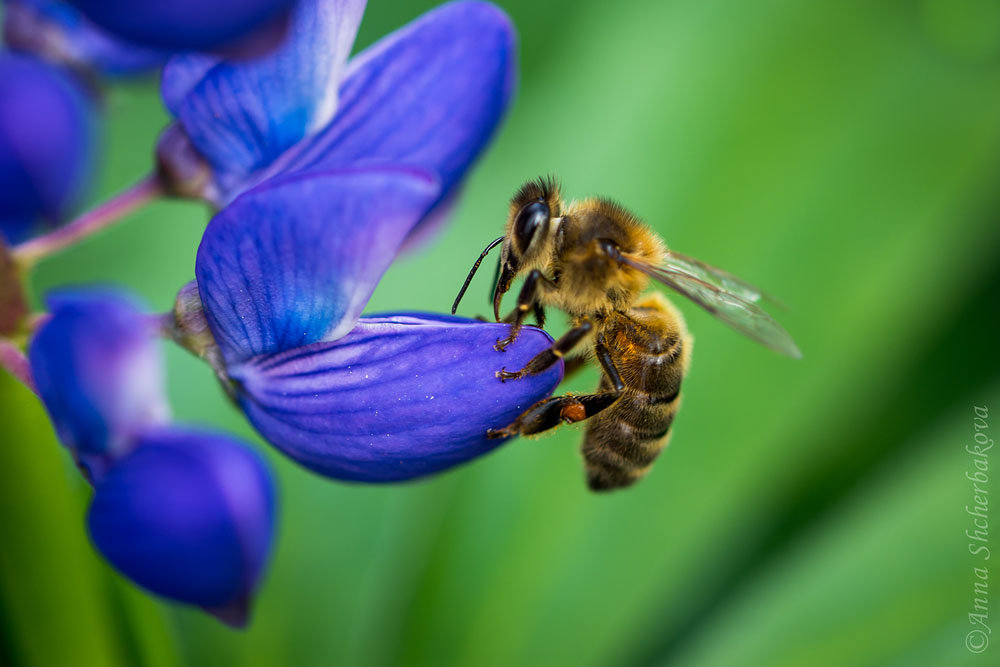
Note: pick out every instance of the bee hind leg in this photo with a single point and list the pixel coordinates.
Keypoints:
(551, 412)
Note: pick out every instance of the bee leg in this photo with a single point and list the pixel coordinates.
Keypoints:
(550, 412)
(525, 301)
(603, 355)
(539, 316)
(546, 358)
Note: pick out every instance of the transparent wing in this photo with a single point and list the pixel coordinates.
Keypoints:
(712, 275)
(723, 295)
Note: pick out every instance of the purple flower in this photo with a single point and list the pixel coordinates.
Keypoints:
(284, 272)
(99, 372)
(59, 33)
(46, 145)
(428, 96)
(183, 25)
(185, 514)
(189, 516)
(324, 169)
(401, 396)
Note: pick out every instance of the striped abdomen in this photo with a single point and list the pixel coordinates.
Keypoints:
(651, 349)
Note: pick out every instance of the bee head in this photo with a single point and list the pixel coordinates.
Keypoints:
(528, 237)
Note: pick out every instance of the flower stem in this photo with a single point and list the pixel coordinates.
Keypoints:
(28, 253)
(14, 361)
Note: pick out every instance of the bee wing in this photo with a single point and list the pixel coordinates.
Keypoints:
(716, 276)
(723, 295)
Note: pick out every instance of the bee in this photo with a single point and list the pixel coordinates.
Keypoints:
(593, 259)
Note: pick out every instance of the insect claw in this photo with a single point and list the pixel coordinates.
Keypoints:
(495, 434)
(502, 343)
(505, 375)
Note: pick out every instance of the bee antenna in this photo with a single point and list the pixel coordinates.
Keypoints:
(475, 267)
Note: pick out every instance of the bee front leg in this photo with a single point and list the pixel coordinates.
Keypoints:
(526, 300)
(546, 358)
(550, 412)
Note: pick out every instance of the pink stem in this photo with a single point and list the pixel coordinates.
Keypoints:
(14, 361)
(104, 215)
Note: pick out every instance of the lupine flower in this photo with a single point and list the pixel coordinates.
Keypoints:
(428, 96)
(185, 514)
(58, 32)
(183, 25)
(336, 172)
(46, 144)
(283, 274)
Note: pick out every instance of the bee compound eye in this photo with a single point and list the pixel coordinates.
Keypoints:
(530, 219)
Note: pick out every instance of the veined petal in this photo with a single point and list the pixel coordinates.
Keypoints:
(401, 396)
(189, 516)
(429, 95)
(241, 115)
(100, 375)
(46, 143)
(294, 261)
(182, 25)
(58, 32)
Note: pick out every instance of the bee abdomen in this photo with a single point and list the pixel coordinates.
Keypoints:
(622, 442)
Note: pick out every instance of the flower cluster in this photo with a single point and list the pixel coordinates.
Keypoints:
(184, 513)
(321, 168)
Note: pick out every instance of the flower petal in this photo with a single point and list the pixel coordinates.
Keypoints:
(46, 143)
(429, 95)
(100, 375)
(183, 25)
(59, 33)
(241, 115)
(294, 261)
(189, 516)
(399, 397)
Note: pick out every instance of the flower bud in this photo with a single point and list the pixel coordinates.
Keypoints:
(183, 25)
(99, 373)
(189, 516)
(46, 144)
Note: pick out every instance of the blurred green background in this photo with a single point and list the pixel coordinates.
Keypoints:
(845, 155)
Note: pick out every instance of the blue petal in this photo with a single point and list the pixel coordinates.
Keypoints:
(46, 143)
(401, 396)
(295, 260)
(183, 25)
(99, 373)
(188, 516)
(430, 95)
(241, 115)
(58, 32)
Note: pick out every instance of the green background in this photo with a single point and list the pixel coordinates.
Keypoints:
(845, 155)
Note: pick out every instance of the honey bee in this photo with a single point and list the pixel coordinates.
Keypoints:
(592, 259)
